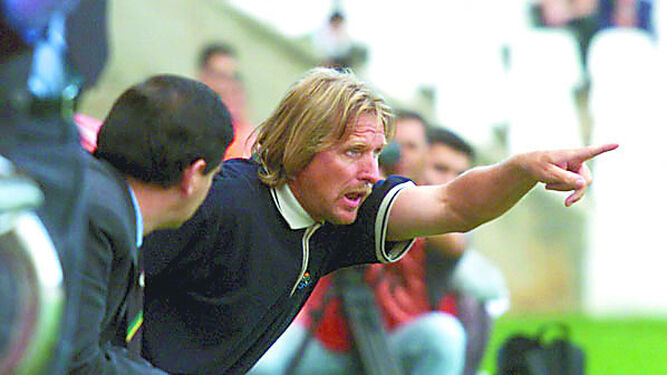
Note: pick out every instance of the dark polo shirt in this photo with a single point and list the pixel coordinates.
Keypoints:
(223, 287)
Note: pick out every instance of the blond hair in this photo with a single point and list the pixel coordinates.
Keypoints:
(318, 111)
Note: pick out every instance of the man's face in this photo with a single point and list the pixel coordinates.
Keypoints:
(411, 136)
(221, 75)
(444, 164)
(222, 65)
(338, 179)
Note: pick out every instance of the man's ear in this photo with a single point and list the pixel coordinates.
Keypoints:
(192, 176)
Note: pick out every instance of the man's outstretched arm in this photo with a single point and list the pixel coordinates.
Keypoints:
(483, 194)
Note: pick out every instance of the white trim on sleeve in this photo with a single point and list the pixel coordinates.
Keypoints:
(381, 223)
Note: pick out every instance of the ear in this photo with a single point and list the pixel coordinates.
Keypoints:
(192, 176)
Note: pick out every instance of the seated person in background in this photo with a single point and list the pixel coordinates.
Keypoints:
(157, 153)
(626, 13)
(333, 42)
(584, 18)
(476, 286)
(222, 288)
(580, 17)
(411, 139)
(218, 69)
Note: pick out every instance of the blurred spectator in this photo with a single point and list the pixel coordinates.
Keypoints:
(333, 41)
(477, 286)
(563, 12)
(88, 128)
(412, 143)
(579, 16)
(335, 45)
(218, 69)
(585, 17)
(626, 13)
(448, 157)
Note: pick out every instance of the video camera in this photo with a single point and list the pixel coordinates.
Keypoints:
(50, 48)
(390, 156)
(31, 280)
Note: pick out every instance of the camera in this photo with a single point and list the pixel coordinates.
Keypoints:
(31, 279)
(390, 156)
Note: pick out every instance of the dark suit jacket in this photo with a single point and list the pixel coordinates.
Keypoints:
(108, 275)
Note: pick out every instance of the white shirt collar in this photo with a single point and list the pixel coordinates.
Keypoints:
(290, 208)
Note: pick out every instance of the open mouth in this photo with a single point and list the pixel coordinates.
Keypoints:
(354, 198)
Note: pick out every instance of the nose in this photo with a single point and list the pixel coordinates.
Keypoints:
(369, 168)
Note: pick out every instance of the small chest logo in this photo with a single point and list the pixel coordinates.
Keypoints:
(305, 281)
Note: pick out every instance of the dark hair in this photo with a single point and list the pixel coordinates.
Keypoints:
(336, 15)
(403, 114)
(406, 115)
(451, 139)
(215, 49)
(161, 126)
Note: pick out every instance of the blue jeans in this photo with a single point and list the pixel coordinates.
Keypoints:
(431, 344)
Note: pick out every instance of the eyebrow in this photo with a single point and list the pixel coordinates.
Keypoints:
(364, 145)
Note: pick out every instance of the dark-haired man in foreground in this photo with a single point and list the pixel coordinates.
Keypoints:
(160, 147)
(222, 288)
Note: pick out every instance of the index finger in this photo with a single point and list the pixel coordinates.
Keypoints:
(590, 152)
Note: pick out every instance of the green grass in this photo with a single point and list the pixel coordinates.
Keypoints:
(612, 346)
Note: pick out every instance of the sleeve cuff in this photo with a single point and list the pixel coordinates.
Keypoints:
(389, 252)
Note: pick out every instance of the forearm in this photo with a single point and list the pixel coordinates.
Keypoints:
(485, 193)
(478, 196)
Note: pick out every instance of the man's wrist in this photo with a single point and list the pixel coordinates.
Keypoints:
(521, 167)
